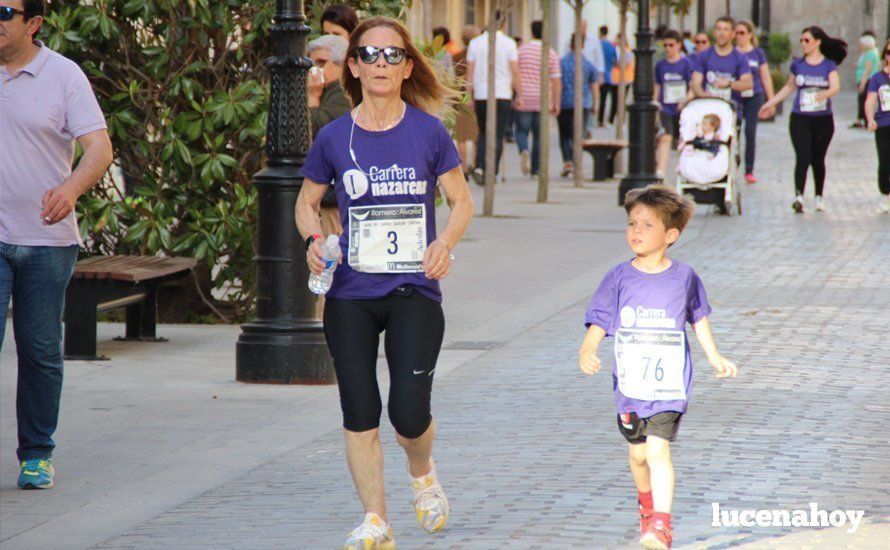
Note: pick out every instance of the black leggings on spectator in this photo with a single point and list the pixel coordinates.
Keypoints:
(882, 140)
(810, 136)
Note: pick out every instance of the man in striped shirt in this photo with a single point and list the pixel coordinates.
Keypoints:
(528, 100)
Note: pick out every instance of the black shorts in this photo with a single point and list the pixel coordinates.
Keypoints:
(670, 125)
(635, 429)
(415, 326)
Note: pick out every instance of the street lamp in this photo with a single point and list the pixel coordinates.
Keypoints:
(641, 113)
(285, 343)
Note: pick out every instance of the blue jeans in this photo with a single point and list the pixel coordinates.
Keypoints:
(35, 277)
(525, 122)
(751, 109)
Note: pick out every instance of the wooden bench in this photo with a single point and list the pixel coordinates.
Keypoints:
(603, 152)
(101, 283)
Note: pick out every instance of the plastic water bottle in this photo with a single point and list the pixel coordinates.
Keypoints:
(320, 284)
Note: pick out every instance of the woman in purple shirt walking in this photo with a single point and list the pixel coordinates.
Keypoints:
(812, 123)
(877, 113)
(753, 99)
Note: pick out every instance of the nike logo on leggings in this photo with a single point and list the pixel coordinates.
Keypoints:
(421, 372)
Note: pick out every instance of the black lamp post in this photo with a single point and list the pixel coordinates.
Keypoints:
(285, 343)
(641, 113)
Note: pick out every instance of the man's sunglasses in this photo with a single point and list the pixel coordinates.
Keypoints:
(392, 54)
(701, 42)
(7, 13)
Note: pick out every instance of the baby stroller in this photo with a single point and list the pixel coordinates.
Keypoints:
(707, 169)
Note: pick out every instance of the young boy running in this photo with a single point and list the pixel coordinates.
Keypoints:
(645, 304)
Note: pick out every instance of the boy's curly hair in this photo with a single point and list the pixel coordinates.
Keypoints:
(674, 210)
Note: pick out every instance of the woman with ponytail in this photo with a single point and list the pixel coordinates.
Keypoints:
(816, 81)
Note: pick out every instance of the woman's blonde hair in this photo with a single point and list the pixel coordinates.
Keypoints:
(749, 26)
(421, 90)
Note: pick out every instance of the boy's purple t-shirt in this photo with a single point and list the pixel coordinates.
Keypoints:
(628, 298)
(399, 166)
(811, 79)
(666, 73)
(714, 66)
(879, 84)
(755, 58)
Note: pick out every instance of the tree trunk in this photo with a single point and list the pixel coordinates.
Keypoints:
(578, 106)
(544, 129)
(622, 88)
(491, 115)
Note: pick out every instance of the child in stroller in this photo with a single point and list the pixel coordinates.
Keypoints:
(706, 138)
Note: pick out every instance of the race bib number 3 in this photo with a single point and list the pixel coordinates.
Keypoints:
(387, 238)
(808, 102)
(674, 92)
(884, 97)
(651, 363)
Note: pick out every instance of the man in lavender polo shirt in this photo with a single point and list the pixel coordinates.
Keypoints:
(46, 103)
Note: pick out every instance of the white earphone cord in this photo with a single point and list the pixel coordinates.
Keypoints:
(352, 130)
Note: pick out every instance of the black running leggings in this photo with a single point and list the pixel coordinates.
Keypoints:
(882, 140)
(810, 136)
(414, 326)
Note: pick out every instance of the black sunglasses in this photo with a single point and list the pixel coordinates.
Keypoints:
(701, 41)
(392, 54)
(7, 13)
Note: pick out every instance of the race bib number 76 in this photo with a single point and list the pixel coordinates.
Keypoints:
(651, 363)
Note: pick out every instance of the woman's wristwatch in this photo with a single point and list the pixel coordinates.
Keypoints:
(310, 239)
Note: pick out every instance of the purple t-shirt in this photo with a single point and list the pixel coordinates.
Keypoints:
(674, 81)
(632, 304)
(714, 66)
(879, 84)
(810, 80)
(386, 198)
(755, 59)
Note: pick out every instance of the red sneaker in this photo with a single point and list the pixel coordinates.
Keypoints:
(645, 517)
(656, 537)
(749, 178)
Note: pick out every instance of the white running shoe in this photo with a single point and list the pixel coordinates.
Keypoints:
(430, 503)
(884, 204)
(797, 205)
(372, 534)
(819, 204)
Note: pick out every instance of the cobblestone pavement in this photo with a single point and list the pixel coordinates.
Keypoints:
(528, 450)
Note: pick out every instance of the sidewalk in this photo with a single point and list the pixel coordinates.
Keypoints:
(160, 448)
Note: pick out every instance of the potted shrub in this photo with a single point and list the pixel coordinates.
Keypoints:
(777, 46)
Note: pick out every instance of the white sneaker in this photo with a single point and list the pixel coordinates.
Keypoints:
(372, 534)
(819, 204)
(524, 163)
(797, 205)
(884, 204)
(430, 503)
